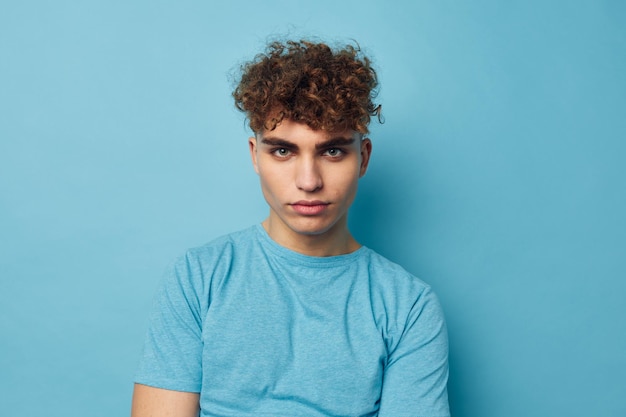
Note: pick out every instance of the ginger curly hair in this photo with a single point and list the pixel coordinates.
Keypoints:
(310, 83)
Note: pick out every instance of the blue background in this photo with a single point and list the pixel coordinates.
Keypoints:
(498, 178)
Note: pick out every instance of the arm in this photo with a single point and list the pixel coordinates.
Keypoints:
(157, 402)
(169, 374)
(416, 374)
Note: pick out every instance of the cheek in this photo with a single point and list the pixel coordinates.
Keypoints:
(273, 180)
(346, 183)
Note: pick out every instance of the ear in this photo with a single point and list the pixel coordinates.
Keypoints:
(366, 152)
(253, 150)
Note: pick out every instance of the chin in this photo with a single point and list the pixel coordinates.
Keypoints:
(312, 229)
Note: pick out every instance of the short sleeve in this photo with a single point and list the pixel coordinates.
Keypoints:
(172, 355)
(416, 373)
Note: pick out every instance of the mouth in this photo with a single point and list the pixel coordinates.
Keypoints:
(309, 208)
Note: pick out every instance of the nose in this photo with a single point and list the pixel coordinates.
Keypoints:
(308, 175)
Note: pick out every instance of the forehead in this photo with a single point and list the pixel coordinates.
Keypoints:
(301, 133)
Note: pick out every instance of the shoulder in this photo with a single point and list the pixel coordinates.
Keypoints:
(221, 248)
(400, 296)
(211, 261)
(388, 276)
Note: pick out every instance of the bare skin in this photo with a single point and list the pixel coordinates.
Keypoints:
(157, 402)
(309, 179)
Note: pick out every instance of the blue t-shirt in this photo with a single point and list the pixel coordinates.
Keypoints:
(260, 330)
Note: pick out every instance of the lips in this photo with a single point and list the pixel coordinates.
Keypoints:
(309, 208)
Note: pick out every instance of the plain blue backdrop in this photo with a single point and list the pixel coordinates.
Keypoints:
(498, 177)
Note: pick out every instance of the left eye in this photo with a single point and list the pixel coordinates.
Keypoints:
(334, 152)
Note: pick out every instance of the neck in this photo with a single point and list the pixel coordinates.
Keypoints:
(337, 241)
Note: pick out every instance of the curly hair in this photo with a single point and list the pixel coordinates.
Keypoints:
(310, 83)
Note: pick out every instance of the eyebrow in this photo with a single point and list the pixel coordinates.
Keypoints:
(330, 143)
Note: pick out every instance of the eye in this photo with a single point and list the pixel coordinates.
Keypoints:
(281, 152)
(334, 152)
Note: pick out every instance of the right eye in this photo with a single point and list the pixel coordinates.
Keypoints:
(281, 152)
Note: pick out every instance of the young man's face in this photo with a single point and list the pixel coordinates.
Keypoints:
(309, 179)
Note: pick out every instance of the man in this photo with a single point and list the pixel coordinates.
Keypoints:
(293, 317)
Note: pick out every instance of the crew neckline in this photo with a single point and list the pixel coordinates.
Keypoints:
(302, 259)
